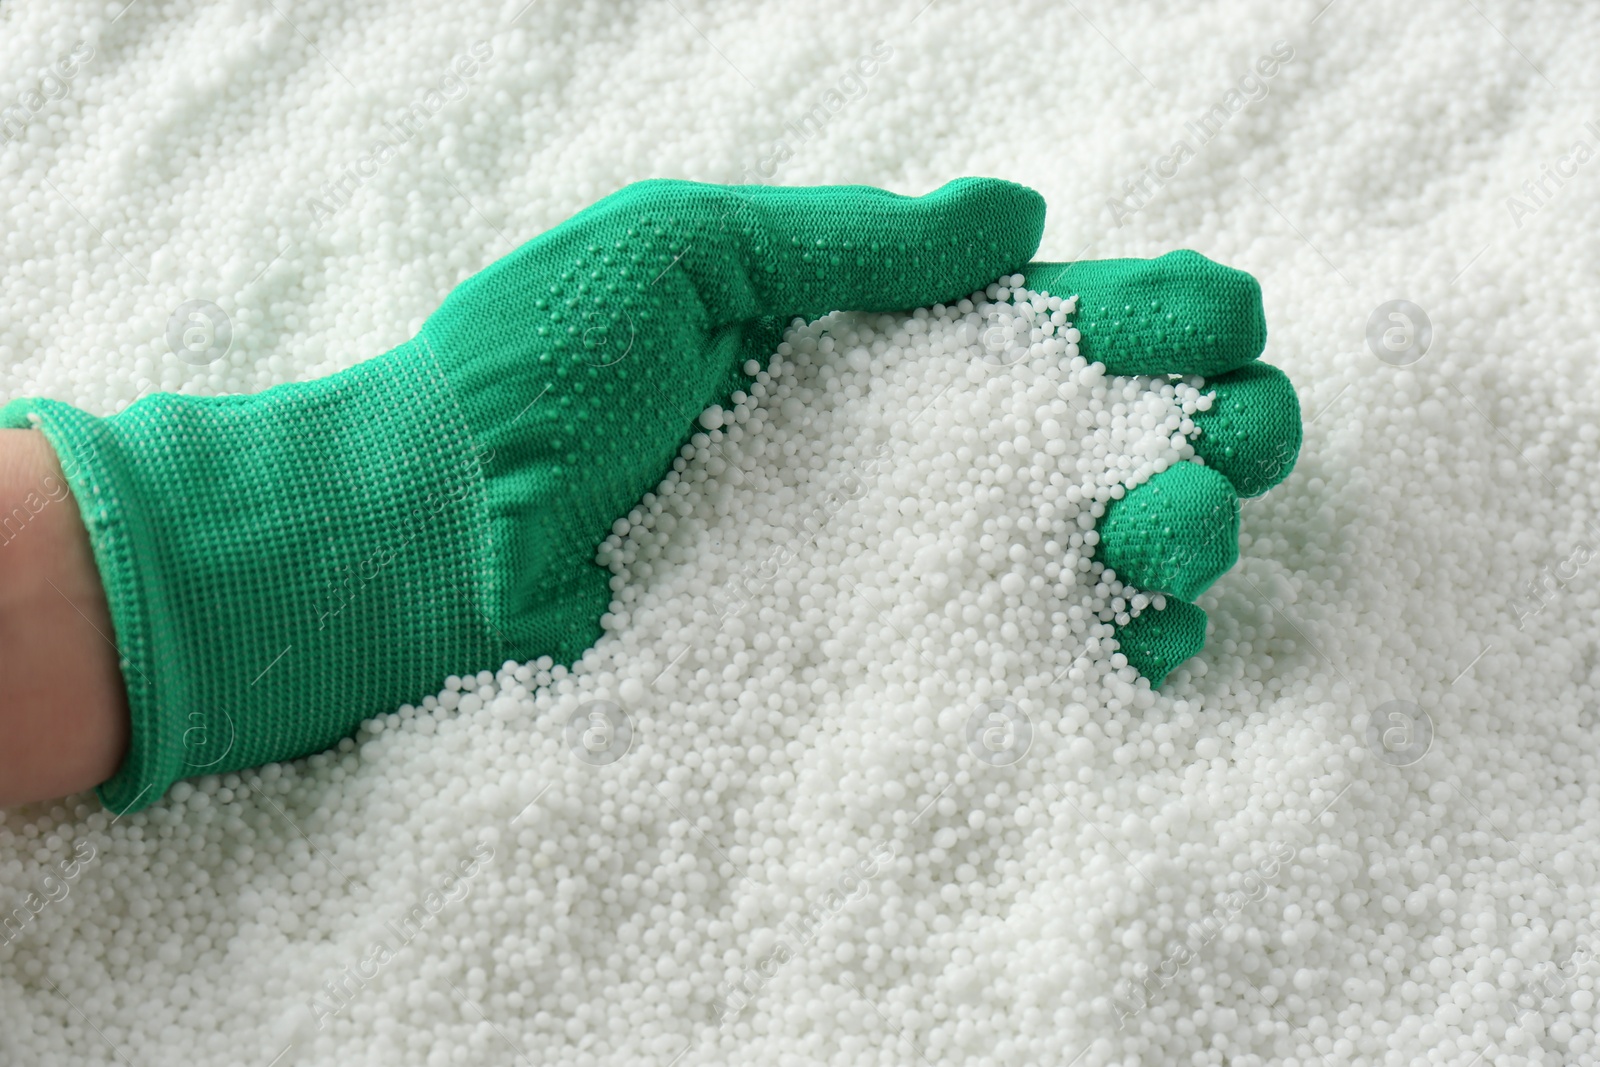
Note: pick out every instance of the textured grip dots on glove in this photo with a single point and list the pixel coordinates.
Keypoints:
(1252, 433)
(1155, 641)
(1176, 533)
(1182, 314)
(1179, 313)
(291, 563)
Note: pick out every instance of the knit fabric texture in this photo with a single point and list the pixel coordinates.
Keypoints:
(582, 359)
(1182, 314)
(1251, 434)
(283, 566)
(280, 566)
(1158, 639)
(1176, 533)
(1179, 313)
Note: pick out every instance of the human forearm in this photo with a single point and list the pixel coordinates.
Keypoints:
(64, 716)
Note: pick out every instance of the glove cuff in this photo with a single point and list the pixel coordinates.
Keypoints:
(280, 567)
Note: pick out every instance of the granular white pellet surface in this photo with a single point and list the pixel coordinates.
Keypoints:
(761, 823)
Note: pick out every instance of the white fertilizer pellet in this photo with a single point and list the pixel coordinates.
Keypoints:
(852, 778)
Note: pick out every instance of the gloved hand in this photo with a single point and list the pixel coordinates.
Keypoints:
(280, 567)
(1178, 532)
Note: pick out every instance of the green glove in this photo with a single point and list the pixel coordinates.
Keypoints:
(280, 567)
(1178, 532)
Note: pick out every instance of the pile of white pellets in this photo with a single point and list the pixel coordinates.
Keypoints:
(853, 776)
(859, 629)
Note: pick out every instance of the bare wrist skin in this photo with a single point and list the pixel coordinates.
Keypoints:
(64, 716)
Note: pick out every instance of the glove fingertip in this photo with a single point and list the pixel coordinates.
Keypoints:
(1179, 313)
(1154, 642)
(1252, 432)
